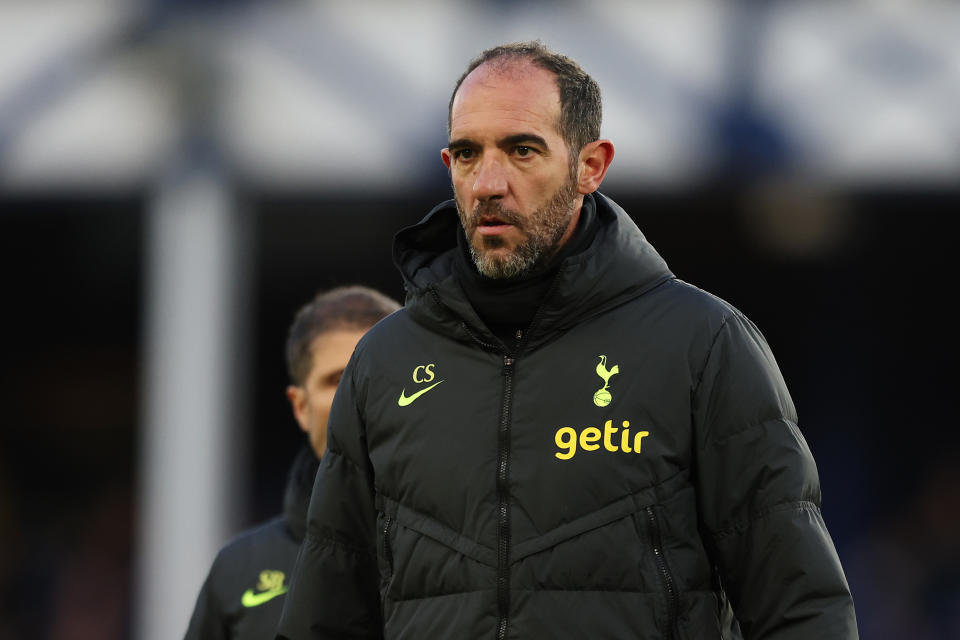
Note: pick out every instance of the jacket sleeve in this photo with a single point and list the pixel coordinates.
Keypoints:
(208, 620)
(334, 587)
(759, 497)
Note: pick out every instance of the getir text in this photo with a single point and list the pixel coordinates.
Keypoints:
(589, 439)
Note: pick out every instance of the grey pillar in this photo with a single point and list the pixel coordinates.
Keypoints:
(192, 432)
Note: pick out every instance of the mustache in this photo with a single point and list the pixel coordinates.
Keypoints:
(493, 208)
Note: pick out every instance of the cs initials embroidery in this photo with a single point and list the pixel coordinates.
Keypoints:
(423, 373)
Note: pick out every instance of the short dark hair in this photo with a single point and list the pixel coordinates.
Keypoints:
(349, 307)
(581, 107)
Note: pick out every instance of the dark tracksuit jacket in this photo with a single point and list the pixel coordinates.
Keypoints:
(243, 594)
(631, 468)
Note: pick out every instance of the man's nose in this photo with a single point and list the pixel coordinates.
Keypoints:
(491, 179)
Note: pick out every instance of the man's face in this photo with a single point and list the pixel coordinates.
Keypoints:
(515, 187)
(311, 402)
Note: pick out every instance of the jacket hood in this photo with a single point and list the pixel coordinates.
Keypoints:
(618, 265)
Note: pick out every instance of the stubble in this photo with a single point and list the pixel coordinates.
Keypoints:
(542, 230)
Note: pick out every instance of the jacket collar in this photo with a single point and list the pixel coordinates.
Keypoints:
(618, 265)
(296, 497)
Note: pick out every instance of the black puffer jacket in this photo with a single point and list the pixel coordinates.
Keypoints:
(632, 468)
(243, 594)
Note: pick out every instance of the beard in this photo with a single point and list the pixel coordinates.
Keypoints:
(543, 230)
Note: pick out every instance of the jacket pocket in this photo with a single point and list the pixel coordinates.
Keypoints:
(701, 619)
(385, 526)
(667, 583)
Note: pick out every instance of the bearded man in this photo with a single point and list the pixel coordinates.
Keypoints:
(556, 437)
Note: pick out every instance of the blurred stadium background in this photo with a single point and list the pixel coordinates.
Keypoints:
(177, 177)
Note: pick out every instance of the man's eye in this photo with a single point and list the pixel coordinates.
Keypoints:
(463, 154)
(523, 151)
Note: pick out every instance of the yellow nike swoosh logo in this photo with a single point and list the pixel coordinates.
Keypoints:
(251, 599)
(404, 399)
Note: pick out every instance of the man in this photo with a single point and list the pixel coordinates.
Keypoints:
(557, 438)
(242, 596)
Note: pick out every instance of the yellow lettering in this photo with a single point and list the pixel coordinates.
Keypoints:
(587, 437)
(608, 431)
(270, 580)
(566, 438)
(637, 440)
(423, 373)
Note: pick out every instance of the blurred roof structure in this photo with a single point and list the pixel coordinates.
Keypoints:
(100, 94)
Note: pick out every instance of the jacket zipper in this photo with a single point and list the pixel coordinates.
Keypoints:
(503, 498)
(672, 603)
(503, 465)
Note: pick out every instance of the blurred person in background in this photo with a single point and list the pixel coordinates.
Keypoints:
(556, 437)
(242, 595)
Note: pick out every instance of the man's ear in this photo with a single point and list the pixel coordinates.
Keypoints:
(298, 402)
(595, 159)
(445, 156)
